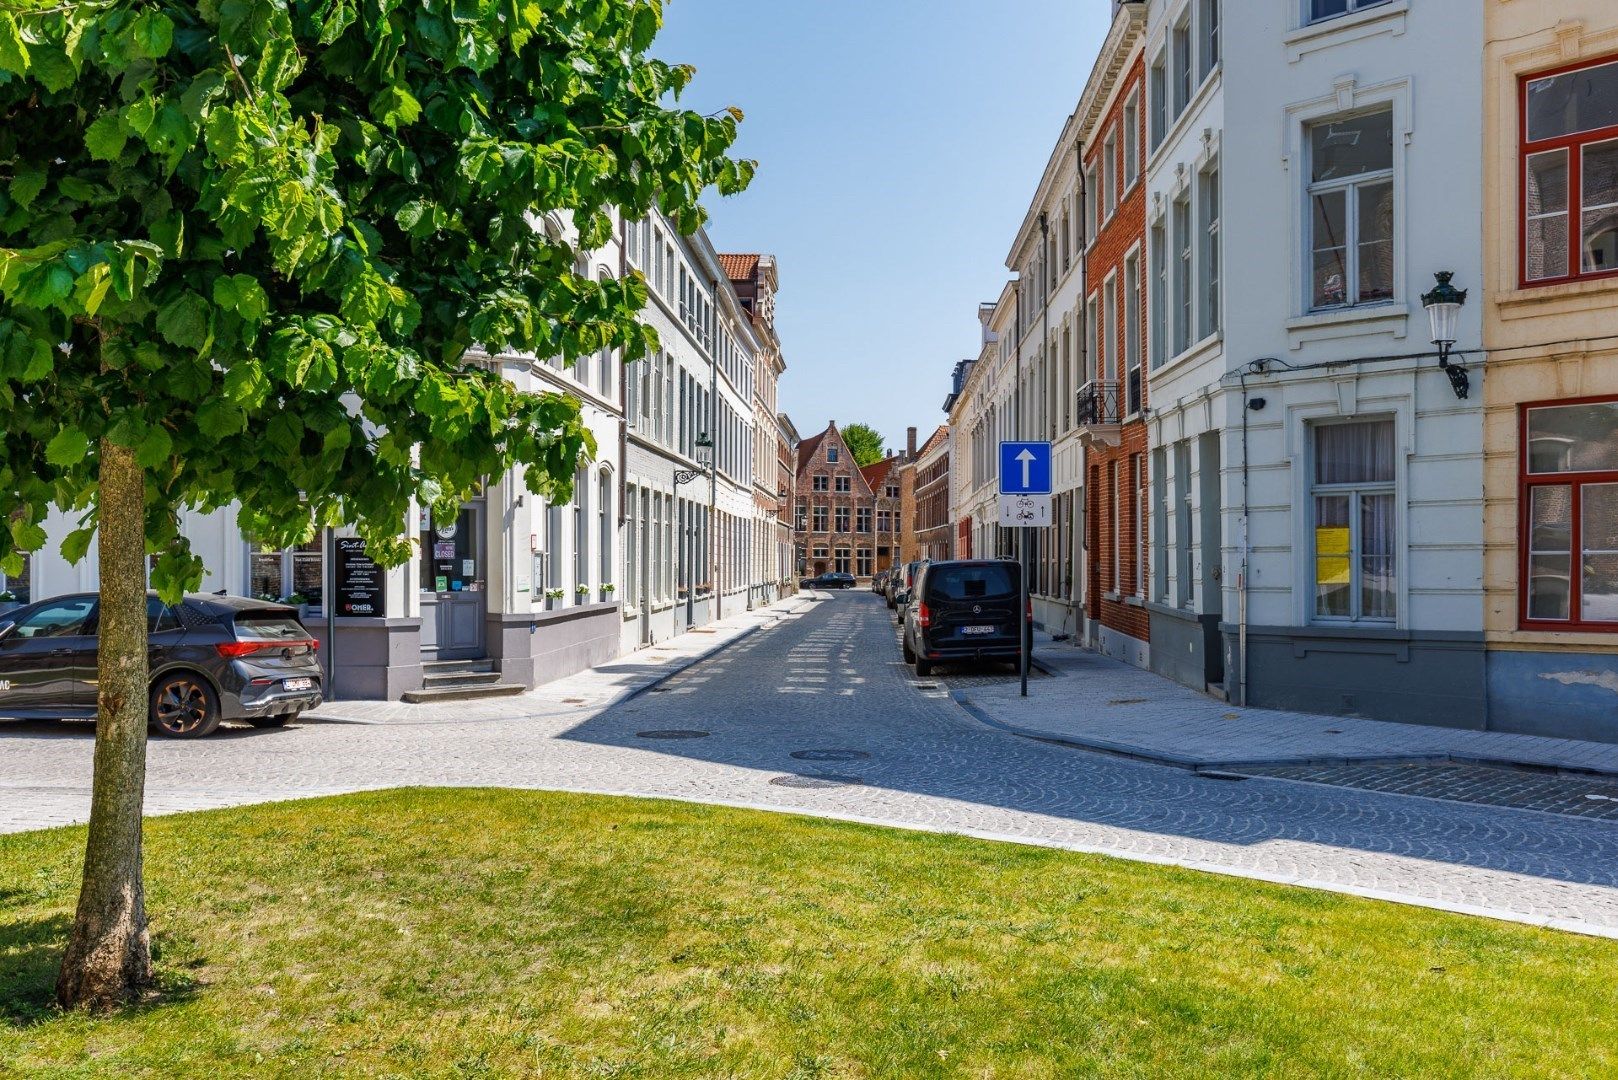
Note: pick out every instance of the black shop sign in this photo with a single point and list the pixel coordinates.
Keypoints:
(361, 583)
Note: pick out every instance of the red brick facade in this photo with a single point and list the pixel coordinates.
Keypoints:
(1117, 475)
(841, 522)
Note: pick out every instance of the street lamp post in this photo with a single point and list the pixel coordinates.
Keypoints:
(688, 554)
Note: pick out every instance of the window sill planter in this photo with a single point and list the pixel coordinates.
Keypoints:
(607, 592)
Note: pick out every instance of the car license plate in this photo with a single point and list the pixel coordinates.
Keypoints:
(299, 684)
(970, 631)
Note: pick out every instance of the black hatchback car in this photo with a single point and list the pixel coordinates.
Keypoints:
(832, 580)
(213, 658)
(964, 610)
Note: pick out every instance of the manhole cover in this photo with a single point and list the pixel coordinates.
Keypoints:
(830, 755)
(1126, 701)
(815, 780)
(672, 733)
(572, 701)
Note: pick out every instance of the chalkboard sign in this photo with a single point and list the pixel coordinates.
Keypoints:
(361, 583)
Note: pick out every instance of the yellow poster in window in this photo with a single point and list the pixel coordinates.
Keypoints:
(1331, 556)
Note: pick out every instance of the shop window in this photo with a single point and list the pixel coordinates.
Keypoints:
(1354, 504)
(1570, 511)
(288, 573)
(19, 585)
(1570, 174)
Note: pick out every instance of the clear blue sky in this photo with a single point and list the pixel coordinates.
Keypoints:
(899, 143)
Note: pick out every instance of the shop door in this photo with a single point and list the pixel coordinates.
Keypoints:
(454, 599)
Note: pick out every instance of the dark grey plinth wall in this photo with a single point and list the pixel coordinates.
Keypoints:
(1411, 677)
(535, 649)
(1565, 694)
(1186, 646)
(377, 659)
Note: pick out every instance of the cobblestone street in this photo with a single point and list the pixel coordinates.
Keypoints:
(815, 713)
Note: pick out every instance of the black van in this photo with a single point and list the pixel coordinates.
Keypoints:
(964, 610)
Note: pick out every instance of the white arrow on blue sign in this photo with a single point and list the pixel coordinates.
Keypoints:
(1025, 468)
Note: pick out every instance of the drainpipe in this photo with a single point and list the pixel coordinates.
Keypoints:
(1242, 572)
(1082, 348)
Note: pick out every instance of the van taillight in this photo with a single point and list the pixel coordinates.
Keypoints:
(924, 617)
(1030, 612)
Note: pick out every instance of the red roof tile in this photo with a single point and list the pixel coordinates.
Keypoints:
(739, 267)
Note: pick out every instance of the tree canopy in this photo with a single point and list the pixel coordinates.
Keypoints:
(256, 241)
(864, 442)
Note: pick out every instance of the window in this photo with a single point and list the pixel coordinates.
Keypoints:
(821, 518)
(581, 535)
(1183, 594)
(1158, 100)
(66, 617)
(843, 484)
(1182, 275)
(1109, 175)
(866, 562)
(831, 454)
(278, 575)
(1209, 196)
(1109, 331)
(1092, 359)
(1570, 495)
(884, 521)
(1137, 464)
(1182, 66)
(632, 550)
(604, 530)
(1353, 496)
(1158, 296)
(1091, 198)
(843, 566)
(1351, 211)
(893, 491)
(1117, 530)
(842, 519)
(862, 517)
(1330, 9)
(821, 483)
(1131, 139)
(1208, 34)
(1132, 312)
(1570, 174)
(19, 585)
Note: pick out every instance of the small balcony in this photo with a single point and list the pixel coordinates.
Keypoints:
(1100, 412)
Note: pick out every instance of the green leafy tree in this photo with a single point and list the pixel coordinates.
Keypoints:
(247, 249)
(864, 442)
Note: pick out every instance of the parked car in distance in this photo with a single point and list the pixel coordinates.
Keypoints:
(907, 585)
(832, 580)
(879, 581)
(965, 609)
(212, 658)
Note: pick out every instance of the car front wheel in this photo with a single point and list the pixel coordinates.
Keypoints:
(184, 706)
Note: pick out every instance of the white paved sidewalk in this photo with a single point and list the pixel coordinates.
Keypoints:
(1104, 704)
(591, 690)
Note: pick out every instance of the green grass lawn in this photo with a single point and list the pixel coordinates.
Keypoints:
(493, 933)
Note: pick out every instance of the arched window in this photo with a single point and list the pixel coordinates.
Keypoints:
(581, 536)
(604, 529)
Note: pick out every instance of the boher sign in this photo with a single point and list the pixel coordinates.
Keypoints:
(360, 583)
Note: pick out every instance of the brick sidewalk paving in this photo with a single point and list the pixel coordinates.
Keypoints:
(1103, 704)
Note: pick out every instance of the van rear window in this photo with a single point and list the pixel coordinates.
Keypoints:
(269, 626)
(971, 582)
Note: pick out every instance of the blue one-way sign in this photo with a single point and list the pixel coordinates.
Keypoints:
(1025, 468)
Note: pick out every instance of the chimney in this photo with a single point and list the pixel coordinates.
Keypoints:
(910, 444)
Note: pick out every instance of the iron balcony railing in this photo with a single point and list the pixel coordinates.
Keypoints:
(1100, 403)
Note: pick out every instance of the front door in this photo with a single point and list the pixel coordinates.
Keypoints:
(454, 599)
(46, 658)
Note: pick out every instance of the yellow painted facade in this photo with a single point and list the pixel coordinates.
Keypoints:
(1544, 342)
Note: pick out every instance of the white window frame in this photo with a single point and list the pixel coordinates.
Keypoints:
(1210, 196)
(1349, 187)
(1350, 7)
(1131, 123)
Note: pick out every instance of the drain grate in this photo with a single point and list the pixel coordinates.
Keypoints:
(1127, 701)
(925, 685)
(672, 733)
(831, 755)
(816, 780)
(572, 701)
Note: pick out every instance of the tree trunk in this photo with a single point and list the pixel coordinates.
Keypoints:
(109, 956)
